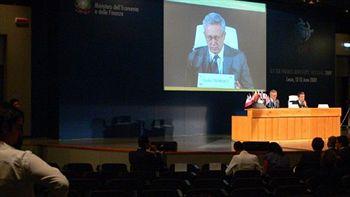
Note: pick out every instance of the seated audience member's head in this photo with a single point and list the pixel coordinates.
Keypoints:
(7, 126)
(342, 141)
(275, 148)
(143, 143)
(317, 144)
(331, 142)
(238, 146)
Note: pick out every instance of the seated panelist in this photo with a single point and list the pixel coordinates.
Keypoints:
(301, 100)
(273, 101)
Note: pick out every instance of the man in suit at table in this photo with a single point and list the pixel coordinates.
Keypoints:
(217, 57)
(301, 100)
(273, 101)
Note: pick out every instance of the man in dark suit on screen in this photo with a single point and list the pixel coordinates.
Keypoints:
(217, 57)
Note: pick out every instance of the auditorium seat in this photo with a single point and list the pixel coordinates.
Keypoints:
(170, 183)
(212, 183)
(253, 182)
(189, 168)
(189, 176)
(77, 170)
(124, 184)
(84, 185)
(187, 172)
(206, 193)
(290, 190)
(286, 172)
(110, 193)
(112, 170)
(247, 174)
(250, 192)
(345, 184)
(161, 192)
(213, 173)
(278, 181)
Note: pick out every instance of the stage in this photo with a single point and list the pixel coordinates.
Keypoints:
(191, 149)
(200, 143)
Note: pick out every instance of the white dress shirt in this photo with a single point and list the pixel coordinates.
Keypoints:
(243, 161)
(19, 170)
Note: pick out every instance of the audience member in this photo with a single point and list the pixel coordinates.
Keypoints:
(327, 181)
(343, 161)
(146, 160)
(16, 107)
(275, 158)
(330, 155)
(20, 170)
(309, 164)
(242, 160)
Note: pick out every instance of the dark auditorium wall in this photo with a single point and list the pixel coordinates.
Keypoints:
(17, 69)
(92, 66)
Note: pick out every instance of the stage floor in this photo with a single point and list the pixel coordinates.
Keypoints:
(205, 143)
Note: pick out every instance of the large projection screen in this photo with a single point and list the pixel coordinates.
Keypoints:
(214, 45)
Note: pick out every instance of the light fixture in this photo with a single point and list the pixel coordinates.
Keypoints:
(346, 44)
(311, 1)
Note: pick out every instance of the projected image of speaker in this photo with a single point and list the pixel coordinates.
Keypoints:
(165, 145)
(214, 48)
(256, 145)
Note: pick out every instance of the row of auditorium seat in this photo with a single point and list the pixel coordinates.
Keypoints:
(112, 178)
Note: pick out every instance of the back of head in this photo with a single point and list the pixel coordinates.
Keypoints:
(317, 144)
(331, 141)
(238, 146)
(275, 148)
(343, 141)
(143, 142)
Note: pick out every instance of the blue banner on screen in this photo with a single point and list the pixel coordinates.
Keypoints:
(222, 37)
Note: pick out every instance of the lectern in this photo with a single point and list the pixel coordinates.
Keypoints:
(286, 124)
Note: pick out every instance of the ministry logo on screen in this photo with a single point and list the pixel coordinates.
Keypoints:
(83, 6)
(303, 30)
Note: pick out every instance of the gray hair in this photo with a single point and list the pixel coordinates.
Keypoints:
(214, 18)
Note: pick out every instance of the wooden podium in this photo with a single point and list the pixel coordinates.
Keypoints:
(286, 124)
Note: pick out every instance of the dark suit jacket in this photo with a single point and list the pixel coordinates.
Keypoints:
(309, 164)
(234, 63)
(275, 104)
(301, 105)
(142, 160)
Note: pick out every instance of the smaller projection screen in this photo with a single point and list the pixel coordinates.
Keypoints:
(214, 45)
